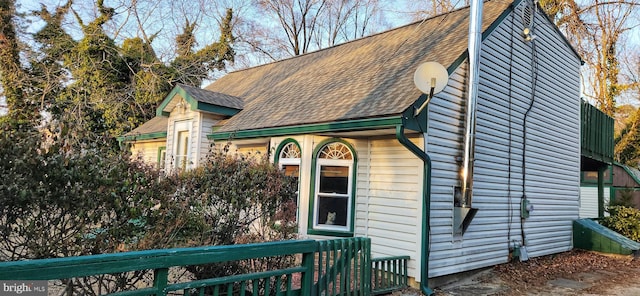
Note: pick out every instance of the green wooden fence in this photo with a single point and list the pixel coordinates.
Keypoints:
(332, 267)
(389, 274)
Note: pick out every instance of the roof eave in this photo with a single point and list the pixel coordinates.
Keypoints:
(339, 126)
(142, 137)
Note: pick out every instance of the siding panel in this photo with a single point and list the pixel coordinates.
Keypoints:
(389, 198)
(552, 150)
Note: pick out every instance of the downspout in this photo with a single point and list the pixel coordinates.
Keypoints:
(426, 203)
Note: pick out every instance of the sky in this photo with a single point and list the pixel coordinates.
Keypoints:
(166, 18)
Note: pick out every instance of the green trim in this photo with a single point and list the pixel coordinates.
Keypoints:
(193, 104)
(350, 125)
(160, 149)
(202, 106)
(142, 137)
(312, 191)
(592, 185)
(286, 141)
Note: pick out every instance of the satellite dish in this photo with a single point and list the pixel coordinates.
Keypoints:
(431, 78)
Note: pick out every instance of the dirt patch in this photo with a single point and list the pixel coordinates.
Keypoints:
(576, 270)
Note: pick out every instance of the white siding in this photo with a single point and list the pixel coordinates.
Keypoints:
(552, 151)
(207, 121)
(589, 201)
(200, 125)
(389, 199)
(147, 151)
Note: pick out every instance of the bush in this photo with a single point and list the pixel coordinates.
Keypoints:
(624, 220)
(61, 202)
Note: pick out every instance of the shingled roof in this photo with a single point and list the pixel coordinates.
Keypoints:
(201, 100)
(152, 129)
(366, 78)
(213, 98)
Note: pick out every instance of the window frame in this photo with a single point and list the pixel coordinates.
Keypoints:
(178, 127)
(322, 229)
(162, 157)
(281, 162)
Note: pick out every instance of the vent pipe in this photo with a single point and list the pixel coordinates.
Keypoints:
(475, 40)
(466, 213)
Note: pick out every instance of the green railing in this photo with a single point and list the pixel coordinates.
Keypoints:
(597, 134)
(389, 274)
(332, 267)
(160, 262)
(343, 267)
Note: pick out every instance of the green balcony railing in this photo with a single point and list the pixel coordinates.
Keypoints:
(597, 134)
(331, 267)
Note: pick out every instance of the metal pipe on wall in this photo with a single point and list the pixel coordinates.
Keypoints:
(475, 40)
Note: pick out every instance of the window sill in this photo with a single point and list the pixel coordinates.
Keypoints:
(330, 232)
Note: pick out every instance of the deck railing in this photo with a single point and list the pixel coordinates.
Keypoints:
(389, 274)
(332, 267)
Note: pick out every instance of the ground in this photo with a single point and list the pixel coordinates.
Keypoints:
(575, 272)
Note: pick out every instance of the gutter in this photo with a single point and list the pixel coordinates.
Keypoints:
(420, 122)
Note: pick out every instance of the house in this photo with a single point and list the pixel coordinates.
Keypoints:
(625, 184)
(621, 183)
(372, 162)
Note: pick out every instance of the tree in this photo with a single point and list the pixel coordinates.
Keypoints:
(12, 76)
(596, 29)
(92, 85)
(192, 67)
(305, 25)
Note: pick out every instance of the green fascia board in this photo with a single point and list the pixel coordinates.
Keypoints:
(351, 125)
(142, 137)
(202, 106)
(193, 104)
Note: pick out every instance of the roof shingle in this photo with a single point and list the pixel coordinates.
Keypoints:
(365, 78)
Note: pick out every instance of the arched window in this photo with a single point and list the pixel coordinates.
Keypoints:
(333, 189)
(288, 157)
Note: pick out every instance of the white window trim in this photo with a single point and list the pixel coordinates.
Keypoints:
(333, 162)
(180, 126)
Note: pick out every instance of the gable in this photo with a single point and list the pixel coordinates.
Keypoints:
(197, 99)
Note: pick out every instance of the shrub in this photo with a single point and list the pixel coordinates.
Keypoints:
(624, 220)
(61, 202)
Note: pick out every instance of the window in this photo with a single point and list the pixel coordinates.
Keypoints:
(592, 176)
(162, 156)
(332, 198)
(288, 159)
(181, 142)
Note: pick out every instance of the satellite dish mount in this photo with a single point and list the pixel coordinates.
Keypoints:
(430, 78)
